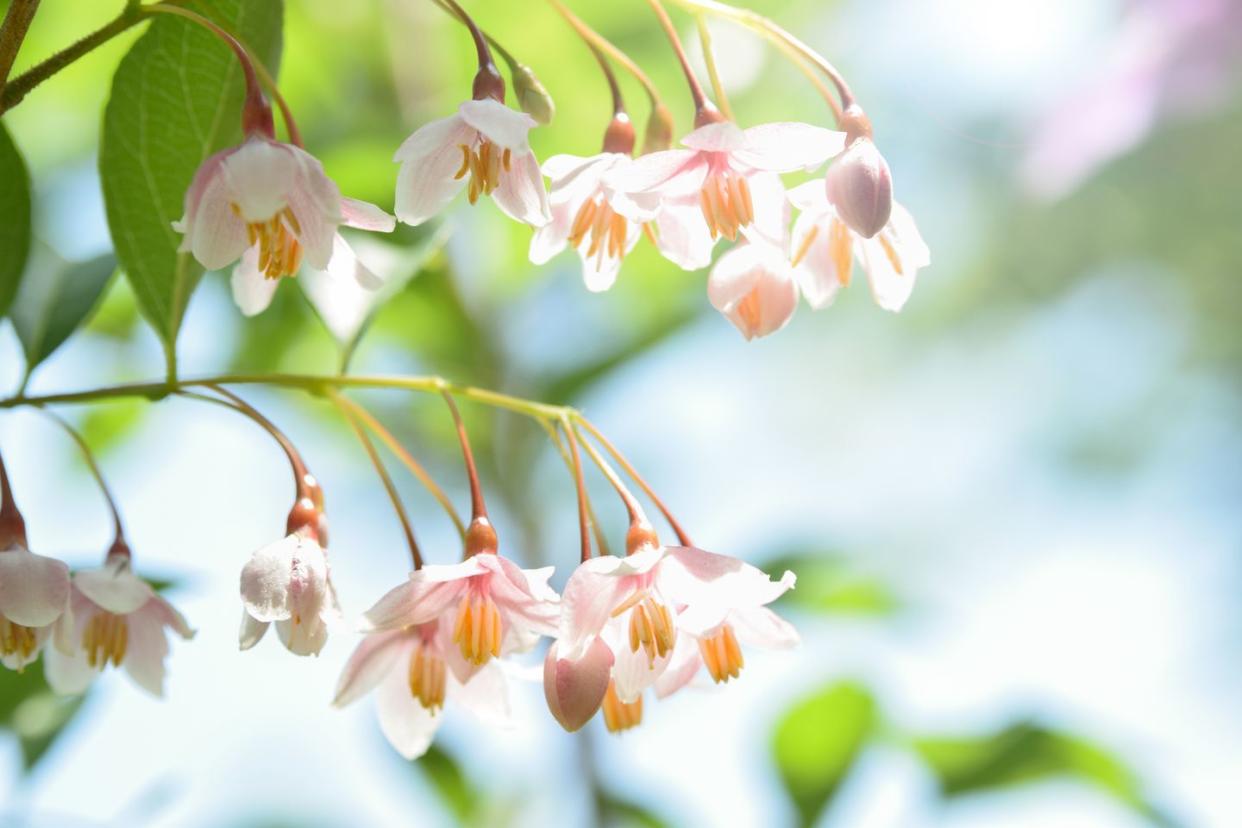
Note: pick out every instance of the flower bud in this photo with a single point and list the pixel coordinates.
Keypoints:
(860, 187)
(575, 689)
(619, 137)
(532, 97)
(659, 133)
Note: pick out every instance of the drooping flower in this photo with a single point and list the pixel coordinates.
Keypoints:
(724, 183)
(602, 224)
(415, 671)
(860, 187)
(119, 619)
(34, 597)
(723, 604)
(289, 583)
(441, 634)
(753, 285)
(482, 148)
(824, 248)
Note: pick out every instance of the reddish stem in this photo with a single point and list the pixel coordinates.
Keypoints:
(580, 484)
(478, 509)
(705, 111)
(12, 524)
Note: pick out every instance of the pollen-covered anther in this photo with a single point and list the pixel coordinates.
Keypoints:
(726, 204)
(427, 675)
(604, 227)
(280, 252)
(484, 163)
(478, 630)
(651, 626)
(619, 715)
(722, 655)
(840, 250)
(105, 639)
(15, 638)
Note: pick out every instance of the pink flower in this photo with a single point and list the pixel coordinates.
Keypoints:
(724, 182)
(825, 248)
(440, 635)
(588, 215)
(415, 670)
(723, 604)
(253, 288)
(117, 618)
(753, 285)
(34, 597)
(484, 148)
(288, 582)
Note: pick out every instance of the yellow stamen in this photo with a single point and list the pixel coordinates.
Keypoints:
(465, 162)
(506, 159)
(280, 252)
(16, 638)
(805, 247)
(106, 638)
(651, 625)
(619, 715)
(893, 258)
(427, 678)
(479, 630)
(485, 163)
(726, 203)
(722, 655)
(839, 249)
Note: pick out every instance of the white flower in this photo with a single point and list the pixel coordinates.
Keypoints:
(34, 597)
(288, 583)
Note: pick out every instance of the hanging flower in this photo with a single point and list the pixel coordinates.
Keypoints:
(415, 671)
(34, 597)
(753, 285)
(723, 605)
(824, 249)
(724, 183)
(602, 224)
(288, 582)
(116, 618)
(482, 148)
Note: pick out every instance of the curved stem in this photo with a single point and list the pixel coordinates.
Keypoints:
(12, 525)
(416, 468)
(12, 32)
(389, 487)
(504, 53)
(93, 465)
(632, 506)
(604, 45)
(580, 485)
(480, 42)
(682, 537)
(709, 58)
(601, 542)
(478, 509)
(702, 106)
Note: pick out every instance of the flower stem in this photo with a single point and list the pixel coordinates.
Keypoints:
(93, 465)
(704, 111)
(601, 542)
(632, 506)
(709, 57)
(580, 485)
(478, 509)
(487, 82)
(12, 32)
(416, 468)
(398, 507)
(12, 525)
(625, 464)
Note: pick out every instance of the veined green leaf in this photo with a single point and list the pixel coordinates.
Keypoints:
(15, 228)
(818, 741)
(55, 301)
(176, 99)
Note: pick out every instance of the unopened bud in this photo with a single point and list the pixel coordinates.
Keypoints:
(660, 129)
(860, 187)
(619, 137)
(532, 97)
(481, 537)
(575, 688)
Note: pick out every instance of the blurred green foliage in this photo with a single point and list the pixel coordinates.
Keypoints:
(32, 712)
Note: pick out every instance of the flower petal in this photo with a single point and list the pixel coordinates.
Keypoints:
(787, 146)
(366, 216)
(694, 576)
(520, 194)
(34, 589)
(430, 160)
(217, 236)
(114, 587)
(375, 657)
(723, 136)
(429, 592)
(316, 202)
(809, 196)
(259, 177)
(672, 172)
(897, 244)
(408, 726)
(683, 236)
(252, 631)
(760, 627)
(305, 636)
(503, 126)
(682, 667)
(632, 670)
(818, 273)
(252, 290)
(146, 650)
(754, 288)
(574, 689)
(486, 696)
(285, 578)
(67, 675)
(551, 239)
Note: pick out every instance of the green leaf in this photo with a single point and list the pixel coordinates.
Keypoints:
(30, 709)
(15, 228)
(1028, 752)
(454, 788)
(108, 424)
(51, 306)
(617, 812)
(176, 99)
(817, 743)
(827, 583)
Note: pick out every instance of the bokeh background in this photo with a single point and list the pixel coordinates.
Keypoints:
(1013, 508)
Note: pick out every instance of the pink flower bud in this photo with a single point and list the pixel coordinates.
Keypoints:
(860, 187)
(575, 689)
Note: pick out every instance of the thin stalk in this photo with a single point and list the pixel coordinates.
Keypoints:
(504, 53)
(625, 464)
(12, 32)
(407, 459)
(606, 46)
(709, 58)
(389, 487)
(580, 485)
(12, 524)
(93, 465)
(632, 506)
(601, 542)
(703, 108)
(478, 509)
